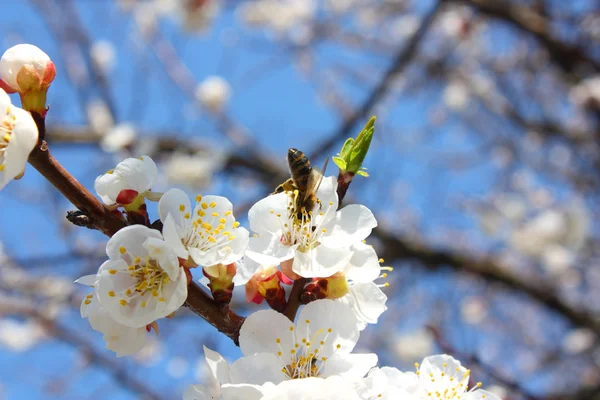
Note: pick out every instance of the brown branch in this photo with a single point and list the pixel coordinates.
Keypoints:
(568, 57)
(218, 315)
(401, 61)
(101, 218)
(398, 248)
(109, 222)
(109, 363)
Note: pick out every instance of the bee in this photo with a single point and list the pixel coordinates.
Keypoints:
(305, 179)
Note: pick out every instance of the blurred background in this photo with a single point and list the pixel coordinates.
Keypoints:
(485, 173)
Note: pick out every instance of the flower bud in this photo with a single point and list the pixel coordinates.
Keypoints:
(26, 69)
(221, 281)
(333, 287)
(266, 284)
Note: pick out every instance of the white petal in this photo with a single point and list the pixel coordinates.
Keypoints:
(260, 332)
(88, 280)
(350, 225)
(245, 269)
(198, 392)
(320, 262)
(160, 251)
(263, 215)
(172, 202)
(268, 249)
(128, 342)
(234, 249)
(367, 302)
(242, 392)
(332, 388)
(132, 239)
(481, 395)
(23, 139)
(322, 316)
(217, 365)
(352, 366)
(173, 235)
(258, 369)
(364, 264)
(329, 200)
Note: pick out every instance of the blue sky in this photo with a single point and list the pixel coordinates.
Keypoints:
(277, 105)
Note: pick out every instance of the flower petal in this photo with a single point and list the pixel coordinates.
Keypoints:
(352, 366)
(258, 369)
(320, 262)
(131, 239)
(350, 225)
(367, 302)
(364, 264)
(263, 215)
(173, 235)
(176, 203)
(261, 331)
(268, 249)
(322, 315)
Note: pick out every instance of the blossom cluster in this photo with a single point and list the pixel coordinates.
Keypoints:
(301, 236)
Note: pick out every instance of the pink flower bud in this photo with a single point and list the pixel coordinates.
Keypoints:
(25, 68)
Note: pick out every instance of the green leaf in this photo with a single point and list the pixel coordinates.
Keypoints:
(347, 147)
(340, 163)
(363, 173)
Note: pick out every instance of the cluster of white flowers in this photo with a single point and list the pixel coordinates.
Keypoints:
(313, 359)
(300, 238)
(148, 271)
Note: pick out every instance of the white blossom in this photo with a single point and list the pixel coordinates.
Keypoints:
(213, 93)
(142, 280)
(132, 174)
(18, 137)
(318, 345)
(437, 376)
(318, 241)
(207, 233)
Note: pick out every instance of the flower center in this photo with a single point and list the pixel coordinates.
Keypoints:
(148, 277)
(447, 384)
(305, 360)
(210, 228)
(6, 127)
(298, 226)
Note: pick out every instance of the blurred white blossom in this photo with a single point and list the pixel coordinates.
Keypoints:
(413, 345)
(193, 170)
(213, 93)
(118, 137)
(20, 335)
(578, 340)
(103, 55)
(99, 116)
(456, 96)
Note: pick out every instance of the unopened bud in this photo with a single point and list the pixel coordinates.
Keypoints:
(354, 151)
(27, 70)
(266, 284)
(221, 281)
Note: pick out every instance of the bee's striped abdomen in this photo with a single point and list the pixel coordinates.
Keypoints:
(299, 168)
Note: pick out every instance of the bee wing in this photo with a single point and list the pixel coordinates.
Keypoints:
(314, 180)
